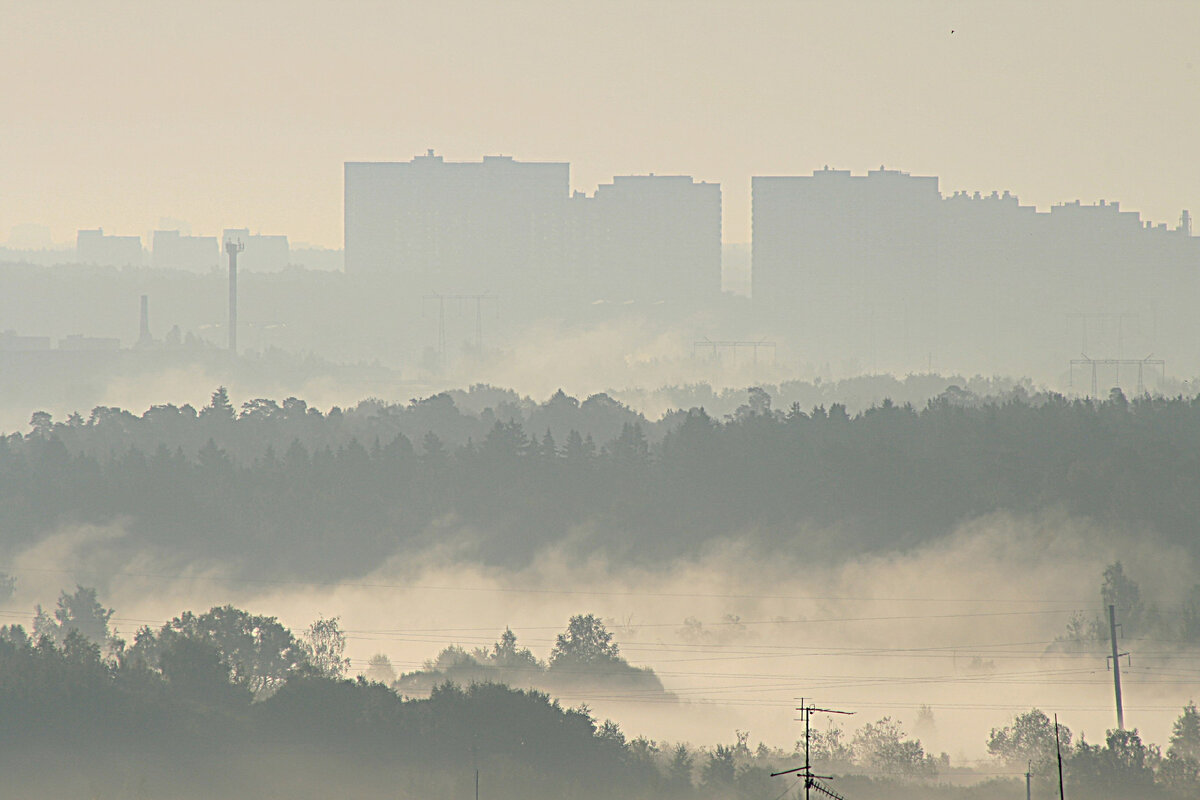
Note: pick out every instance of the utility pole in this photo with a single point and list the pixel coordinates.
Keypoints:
(1058, 750)
(810, 782)
(476, 784)
(1116, 664)
(1028, 776)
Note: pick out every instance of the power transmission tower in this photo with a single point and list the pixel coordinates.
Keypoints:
(735, 345)
(441, 299)
(810, 780)
(1103, 318)
(1095, 363)
(1116, 664)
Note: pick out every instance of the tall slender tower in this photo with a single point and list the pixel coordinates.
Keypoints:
(233, 248)
(144, 337)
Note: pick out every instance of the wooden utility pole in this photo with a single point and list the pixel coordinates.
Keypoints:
(1116, 664)
(1058, 750)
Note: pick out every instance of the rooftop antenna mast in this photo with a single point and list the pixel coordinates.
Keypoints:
(810, 780)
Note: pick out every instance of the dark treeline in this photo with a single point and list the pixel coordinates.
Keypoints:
(229, 703)
(584, 656)
(331, 494)
(182, 728)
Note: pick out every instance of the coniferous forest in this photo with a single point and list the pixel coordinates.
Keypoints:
(331, 493)
(280, 491)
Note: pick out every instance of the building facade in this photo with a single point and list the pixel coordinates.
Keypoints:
(514, 230)
(173, 250)
(96, 248)
(887, 273)
(493, 226)
(263, 253)
(649, 239)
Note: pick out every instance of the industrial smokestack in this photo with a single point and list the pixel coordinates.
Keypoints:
(144, 338)
(233, 248)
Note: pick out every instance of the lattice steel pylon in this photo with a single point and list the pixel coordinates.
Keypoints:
(1096, 363)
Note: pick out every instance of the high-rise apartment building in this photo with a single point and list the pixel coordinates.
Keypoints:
(649, 239)
(881, 271)
(836, 238)
(95, 247)
(493, 226)
(513, 229)
(173, 250)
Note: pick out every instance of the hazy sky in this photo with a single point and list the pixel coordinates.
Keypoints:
(232, 114)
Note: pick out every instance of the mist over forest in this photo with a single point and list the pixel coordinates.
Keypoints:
(541, 400)
(802, 534)
(498, 479)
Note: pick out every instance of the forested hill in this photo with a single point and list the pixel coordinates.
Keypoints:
(296, 492)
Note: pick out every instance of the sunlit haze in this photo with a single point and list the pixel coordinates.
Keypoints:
(654, 400)
(116, 114)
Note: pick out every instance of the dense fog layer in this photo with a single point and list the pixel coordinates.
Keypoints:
(978, 608)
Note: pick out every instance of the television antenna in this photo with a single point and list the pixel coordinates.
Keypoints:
(812, 781)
